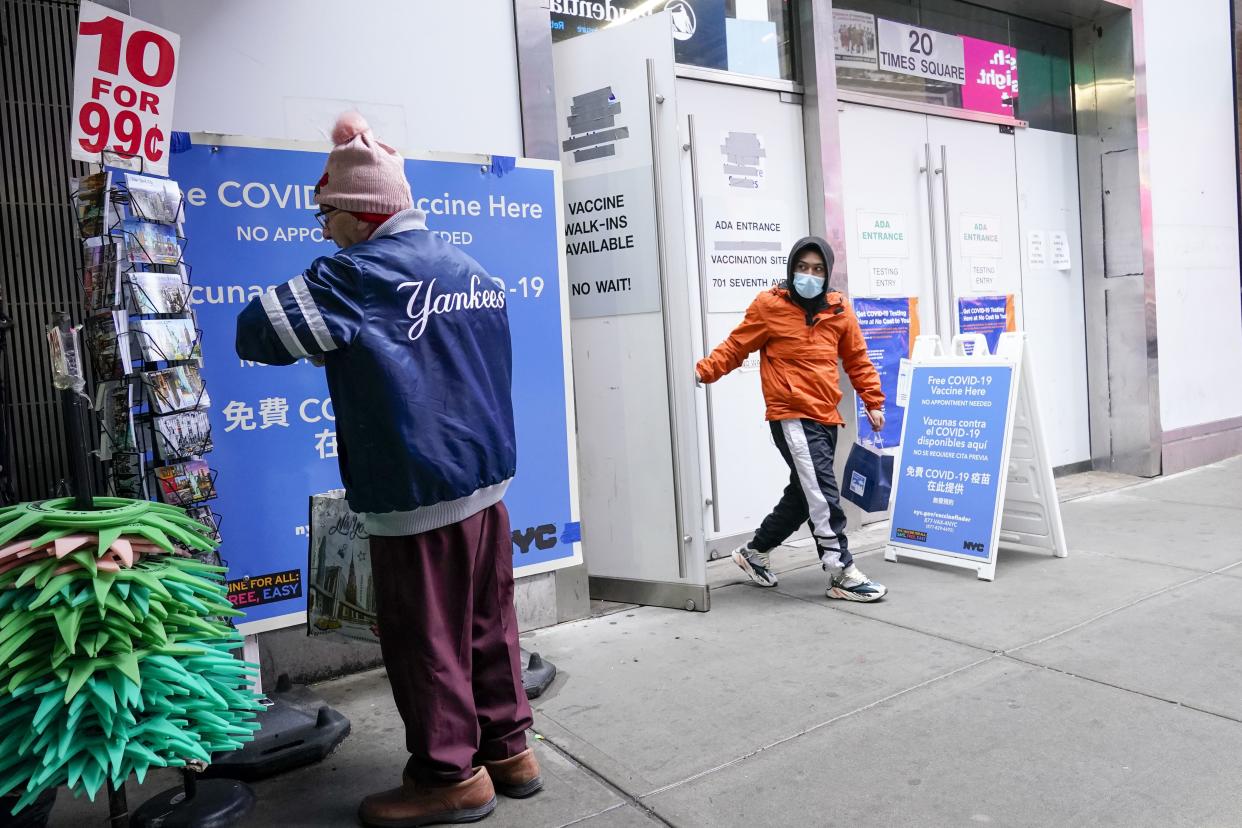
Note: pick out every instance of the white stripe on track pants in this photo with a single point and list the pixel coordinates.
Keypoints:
(812, 496)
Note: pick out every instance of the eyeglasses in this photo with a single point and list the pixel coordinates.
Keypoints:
(322, 216)
(813, 269)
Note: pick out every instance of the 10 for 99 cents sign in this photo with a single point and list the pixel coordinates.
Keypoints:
(124, 82)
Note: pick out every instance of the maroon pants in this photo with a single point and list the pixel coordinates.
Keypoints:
(449, 636)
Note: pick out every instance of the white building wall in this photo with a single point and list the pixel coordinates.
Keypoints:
(427, 75)
(1194, 179)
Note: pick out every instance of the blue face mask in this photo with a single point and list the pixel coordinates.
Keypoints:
(808, 286)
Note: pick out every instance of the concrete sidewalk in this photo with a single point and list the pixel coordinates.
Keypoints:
(1105, 688)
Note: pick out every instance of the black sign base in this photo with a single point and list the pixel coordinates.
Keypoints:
(537, 674)
(206, 803)
(298, 729)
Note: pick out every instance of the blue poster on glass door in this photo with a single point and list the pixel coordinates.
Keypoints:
(889, 327)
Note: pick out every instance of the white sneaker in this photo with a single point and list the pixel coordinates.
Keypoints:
(851, 585)
(755, 564)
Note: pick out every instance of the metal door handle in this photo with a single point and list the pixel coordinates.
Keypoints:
(931, 227)
(943, 172)
(653, 100)
(702, 256)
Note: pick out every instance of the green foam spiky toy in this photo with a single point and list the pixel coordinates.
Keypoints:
(113, 655)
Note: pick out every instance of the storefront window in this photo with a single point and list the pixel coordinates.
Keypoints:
(750, 37)
(961, 56)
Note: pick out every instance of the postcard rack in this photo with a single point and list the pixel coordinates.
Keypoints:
(141, 332)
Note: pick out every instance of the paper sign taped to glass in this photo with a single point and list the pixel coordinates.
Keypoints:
(341, 599)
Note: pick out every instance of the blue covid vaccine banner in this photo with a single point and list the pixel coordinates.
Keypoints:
(250, 226)
(950, 472)
(890, 327)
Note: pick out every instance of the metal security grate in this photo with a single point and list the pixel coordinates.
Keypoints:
(40, 255)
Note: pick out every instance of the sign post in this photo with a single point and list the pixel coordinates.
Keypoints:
(974, 472)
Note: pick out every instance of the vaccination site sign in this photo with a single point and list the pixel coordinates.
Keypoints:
(250, 226)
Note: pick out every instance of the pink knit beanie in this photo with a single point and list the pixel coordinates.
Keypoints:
(362, 174)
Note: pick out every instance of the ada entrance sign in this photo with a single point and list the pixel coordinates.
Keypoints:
(965, 483)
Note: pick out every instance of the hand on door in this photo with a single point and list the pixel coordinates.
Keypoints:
(876, 418)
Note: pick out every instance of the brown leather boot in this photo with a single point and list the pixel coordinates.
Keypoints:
(413, 805)
(518, 776)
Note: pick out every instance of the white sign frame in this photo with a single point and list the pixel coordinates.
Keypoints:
(1033, 483)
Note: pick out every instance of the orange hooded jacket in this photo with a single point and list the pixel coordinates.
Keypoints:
(798, 361)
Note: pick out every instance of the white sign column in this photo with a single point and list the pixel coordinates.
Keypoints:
(633, 367)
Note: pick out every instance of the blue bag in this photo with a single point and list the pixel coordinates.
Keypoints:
(868, 478)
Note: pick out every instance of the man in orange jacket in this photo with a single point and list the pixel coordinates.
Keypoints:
(800, 330)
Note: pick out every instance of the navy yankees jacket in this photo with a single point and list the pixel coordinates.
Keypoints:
(414, 336)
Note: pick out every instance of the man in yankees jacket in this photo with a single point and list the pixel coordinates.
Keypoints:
(414, 336)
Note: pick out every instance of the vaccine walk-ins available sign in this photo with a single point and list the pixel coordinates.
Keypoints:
(604, 118)
(249, 209)
(965, 483)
